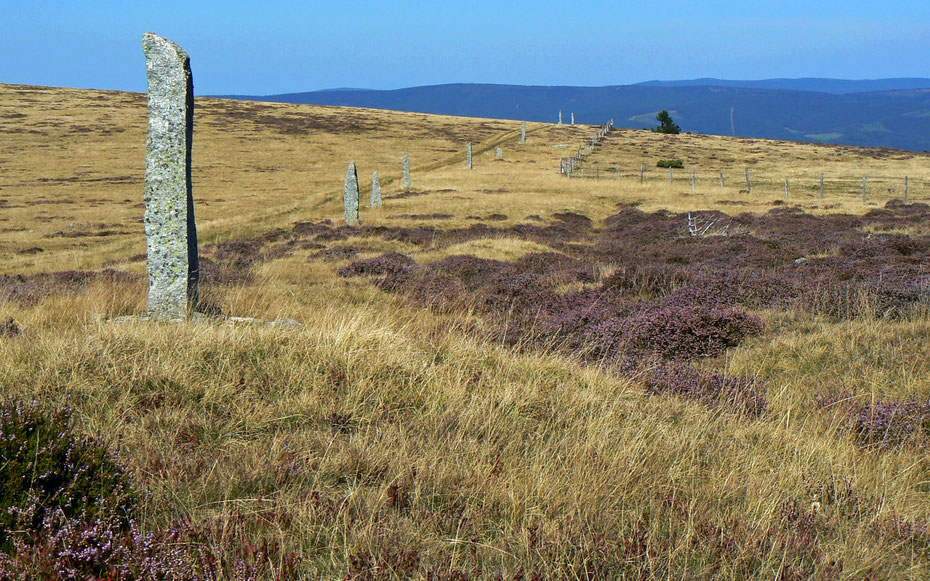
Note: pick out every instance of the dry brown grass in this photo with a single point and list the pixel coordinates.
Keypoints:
(380, 428)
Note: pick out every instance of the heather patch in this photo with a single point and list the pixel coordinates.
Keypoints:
(680, 333)
(30, 289)
(47, 469)
(882, 424)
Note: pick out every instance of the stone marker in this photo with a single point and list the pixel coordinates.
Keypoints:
(406, 172)
(748, 183)
(669, 176)
(375, 190)
(692, 179)
(573, 118)
(863, 189)
(721, 180)
(499, 154)
(523, 133)
(905, 189)
(821, 186)
(620, 175)
(786, 188)
(468, 156)
(560, 117)
(642, 171)
(170, 231)
(350, 195)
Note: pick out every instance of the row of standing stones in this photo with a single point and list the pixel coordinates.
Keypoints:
(351, 189)
(170, 228)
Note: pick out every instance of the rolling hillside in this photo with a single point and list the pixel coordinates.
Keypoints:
(897, 118)
(501, 373)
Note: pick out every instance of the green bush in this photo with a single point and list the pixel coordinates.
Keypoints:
(675, 163)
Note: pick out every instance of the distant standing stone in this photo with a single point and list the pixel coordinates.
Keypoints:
(573, 118)
(406, 172)
(171, 234)
(375, 190)
(468, 156)
(523, 133)
(560, 117)
(350, 196)
(499, 154)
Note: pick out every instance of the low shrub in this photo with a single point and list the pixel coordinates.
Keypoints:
(48, 469)
(670, 163)
(679, 333)
(882, 424)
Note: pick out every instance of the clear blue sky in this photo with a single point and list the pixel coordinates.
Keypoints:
(255, 47)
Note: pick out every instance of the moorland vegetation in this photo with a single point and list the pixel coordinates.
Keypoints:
(502, 373)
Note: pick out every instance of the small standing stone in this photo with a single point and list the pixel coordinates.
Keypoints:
(786, 188)
(821, 186)
(573, 118)
(748, 183)
(642, 172)
(406, 172)
(560, 117)
(468, 156)
(499, 154)
(375, 190)
(721, 180)
(171, 233)
(350, 195)
(863, 189)
(905, 189)
(523, 132)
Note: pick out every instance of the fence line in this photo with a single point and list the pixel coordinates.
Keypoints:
(819, 185)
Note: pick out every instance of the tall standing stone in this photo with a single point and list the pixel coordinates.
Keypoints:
(468, 156)
(350, 195)
(560, 117)
(499, 154)
(748, 183)
(375, 190)
(171, 234)
(573, 118)
(523, 132)
(406, 172)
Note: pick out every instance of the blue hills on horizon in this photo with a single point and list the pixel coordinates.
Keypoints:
(892, 113)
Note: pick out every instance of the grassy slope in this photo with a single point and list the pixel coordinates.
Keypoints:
(381, 428)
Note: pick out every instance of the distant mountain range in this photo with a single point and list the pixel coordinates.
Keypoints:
(878, 113)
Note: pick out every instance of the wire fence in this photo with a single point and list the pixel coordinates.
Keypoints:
(809, 185)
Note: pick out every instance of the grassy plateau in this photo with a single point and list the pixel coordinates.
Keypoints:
(502, 373)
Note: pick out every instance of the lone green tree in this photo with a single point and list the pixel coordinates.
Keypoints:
(666, 125)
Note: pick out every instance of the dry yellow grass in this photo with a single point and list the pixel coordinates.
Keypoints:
(379, 427)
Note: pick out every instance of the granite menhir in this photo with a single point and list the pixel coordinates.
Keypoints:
(406, 172)
(375, 190)
(350, 195)
(170, 231)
